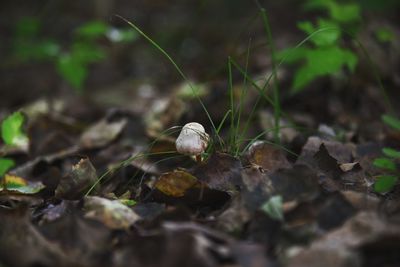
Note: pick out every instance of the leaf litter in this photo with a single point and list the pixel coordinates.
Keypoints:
(260, 209)
(99, 186)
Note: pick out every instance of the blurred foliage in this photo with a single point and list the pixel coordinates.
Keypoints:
(5, 165)
(384, 35)
(274, 208)
(389, 163)
(379, 5)
(11, 129)
(325, 55)
(12, 135)
(28, 46)
(71, 62)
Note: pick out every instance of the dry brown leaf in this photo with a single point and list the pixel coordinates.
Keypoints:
(176, 183)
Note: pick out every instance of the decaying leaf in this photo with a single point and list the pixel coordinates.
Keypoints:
(257, 188)
(176, 183)
(163, 114)
(78, 181)
(102, 133)
(23, 245)
(299, 183)
(347, 245)
(85, 242)
(267, 156)
(334, 211)
(221, 172)
(345, 167)
(112, 213)
(16, 184)
(342, 153)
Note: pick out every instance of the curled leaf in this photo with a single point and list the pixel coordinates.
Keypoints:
(78, 181)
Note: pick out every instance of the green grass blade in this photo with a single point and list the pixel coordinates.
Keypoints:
(170, 59)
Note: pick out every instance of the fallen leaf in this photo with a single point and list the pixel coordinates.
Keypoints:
(273, 207)
(342, 153)
(267, 156)
(85, 242)
(176, 183)
(102, 133)
(23, 245)
(327, 163)
(299, 183)
(344, 247)
(112, 213)
(16, 184)
(334, 211)
(345, 167)
(257, 188)
(220, 172)
(78, 181)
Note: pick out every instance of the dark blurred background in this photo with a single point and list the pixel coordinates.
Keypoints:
(199, 35)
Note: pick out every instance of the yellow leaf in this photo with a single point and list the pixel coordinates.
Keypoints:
(176, 183)
(20, 185)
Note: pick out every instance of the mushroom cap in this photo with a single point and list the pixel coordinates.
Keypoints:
(192, 140)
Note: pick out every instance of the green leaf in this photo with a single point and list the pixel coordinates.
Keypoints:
(306, 26)
(5, 165)
(385, 163)
(86, 53)
(293, 55)
(340, 12)
(20, 185)
(385, 183)
(390, 152)
(317, 4)
(92, 30)
(27, 27)
(391, 121)
(323, 61)
(304, 75)
(273, 207)
(11, 130)
(73, 71)
(345, 13)
(127, 202)
(384, 35)
(73, 67)
(328, 32)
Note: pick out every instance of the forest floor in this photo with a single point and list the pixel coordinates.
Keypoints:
(100, 182)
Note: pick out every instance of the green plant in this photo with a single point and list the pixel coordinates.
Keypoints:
(234, 112)
(71, 62)
(387, 181)
(326, 55)
(12, 135)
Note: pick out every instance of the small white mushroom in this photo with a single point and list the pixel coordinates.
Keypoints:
(192, 140)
